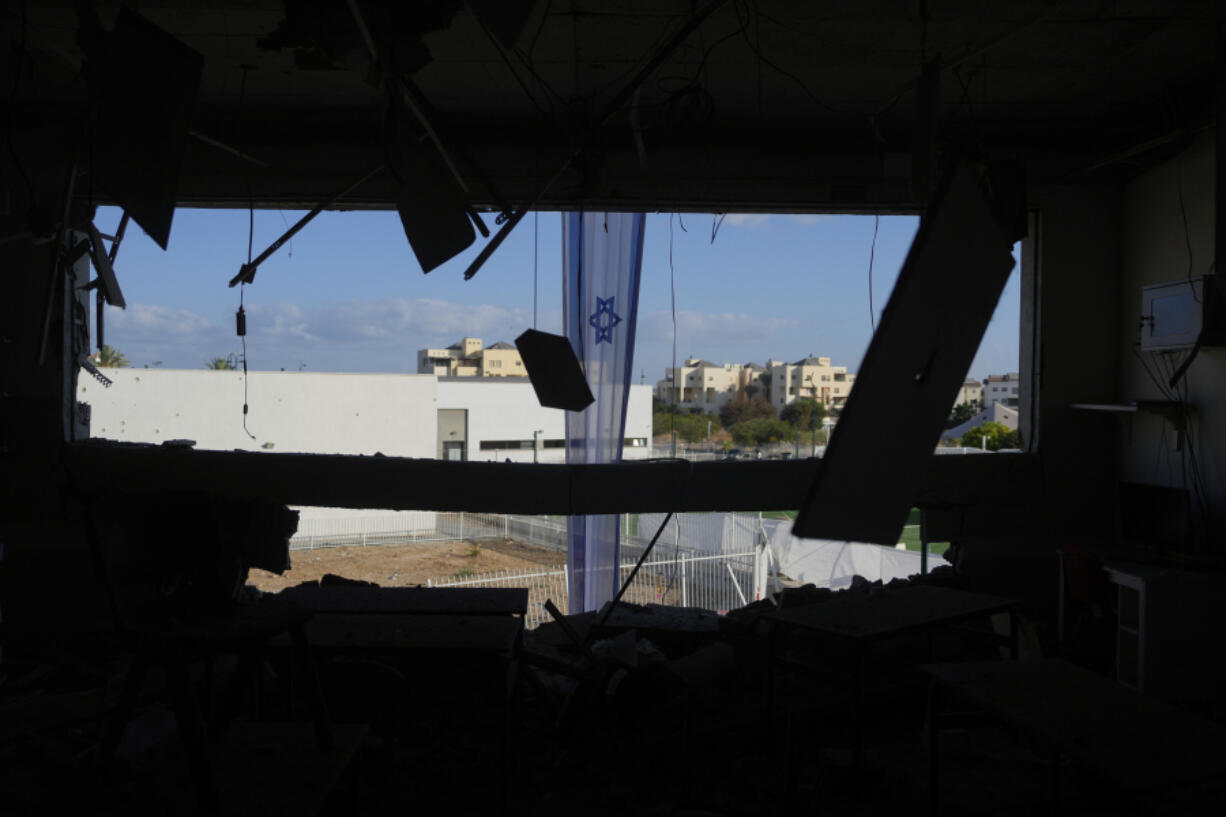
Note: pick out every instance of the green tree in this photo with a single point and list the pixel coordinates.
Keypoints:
(765, 380)
(998, 437)
(659, 406)
(691, 428)
(738, 411)
(961, 413)
(762, 430)
(111, 357)
(219, 364)
(804, 415)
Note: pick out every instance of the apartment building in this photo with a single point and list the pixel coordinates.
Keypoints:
(811, 378)
(1001, 388)
(971, 392)
(469, 358)
(701, 384)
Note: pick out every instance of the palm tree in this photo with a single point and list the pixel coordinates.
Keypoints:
(219, 364)
(111, 357)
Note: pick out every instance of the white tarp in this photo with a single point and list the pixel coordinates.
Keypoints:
(827, 563)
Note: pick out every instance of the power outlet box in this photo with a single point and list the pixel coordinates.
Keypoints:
(1178, 314)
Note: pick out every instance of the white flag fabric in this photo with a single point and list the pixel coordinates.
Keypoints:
(602, 260)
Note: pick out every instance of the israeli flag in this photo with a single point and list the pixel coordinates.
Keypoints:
(602, 261)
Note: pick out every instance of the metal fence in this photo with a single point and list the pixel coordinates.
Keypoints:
(411, 527)
(709, 560)
(717, 582)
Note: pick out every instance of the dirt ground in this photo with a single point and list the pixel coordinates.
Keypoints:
(406, 565)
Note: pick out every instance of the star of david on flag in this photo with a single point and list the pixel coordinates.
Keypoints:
(604, 319)
(602, 263)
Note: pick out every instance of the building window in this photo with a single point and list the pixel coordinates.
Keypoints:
(505, 445)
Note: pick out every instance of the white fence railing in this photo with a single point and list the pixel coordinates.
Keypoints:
(708, 532)
(717, 582)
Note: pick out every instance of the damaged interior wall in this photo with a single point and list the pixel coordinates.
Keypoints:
(1100, 235)
(1158, 232)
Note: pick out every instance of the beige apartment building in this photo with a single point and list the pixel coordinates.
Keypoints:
(706, 386)
(468, 358)
(813, 378)
(971, 392)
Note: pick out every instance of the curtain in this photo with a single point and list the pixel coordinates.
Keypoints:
(602, 257)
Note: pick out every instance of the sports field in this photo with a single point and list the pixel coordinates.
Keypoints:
(910, 532)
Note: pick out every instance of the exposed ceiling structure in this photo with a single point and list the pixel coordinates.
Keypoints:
(645, 105)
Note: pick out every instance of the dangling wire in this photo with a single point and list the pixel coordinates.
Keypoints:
(536, 229)
(1183, 214)
(672, 288)
(872, 252)
(241, 317)
(242, 334)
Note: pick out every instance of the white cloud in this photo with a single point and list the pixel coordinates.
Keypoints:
(703, 328)
(808, 218)
(150, 320)
(425, 321)
(281, 320)
(366, 335)
(746, 219)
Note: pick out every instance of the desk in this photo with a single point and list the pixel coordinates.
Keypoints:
(860, 619)
(1137, 743)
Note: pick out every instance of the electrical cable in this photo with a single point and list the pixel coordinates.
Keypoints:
(872, 253)
(1183, 214)
(784, 72)
(536, 228)
(241, 317)
(241, 321)
(539, 27)
(514, 73)
(672, 288)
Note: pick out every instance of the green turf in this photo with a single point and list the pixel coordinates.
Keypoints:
(910, 533)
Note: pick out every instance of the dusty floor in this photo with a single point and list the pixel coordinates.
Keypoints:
(406, 565)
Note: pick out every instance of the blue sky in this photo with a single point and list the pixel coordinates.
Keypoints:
(347, 294)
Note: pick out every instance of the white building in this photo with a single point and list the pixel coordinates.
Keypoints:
(994, 413)
(812, 378)
(401, 415)
(1001, 388)
(497, 419)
